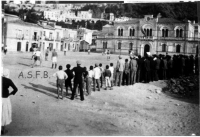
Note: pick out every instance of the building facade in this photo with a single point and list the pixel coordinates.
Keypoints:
(21, 36)
(148, 34)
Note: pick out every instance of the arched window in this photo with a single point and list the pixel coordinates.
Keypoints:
(104, 45)
(150, 32)
(166, 33)
(131, 46)
(163, 33)
(119, 45)
(147, 32)
(164, 47)
(131, 32)
(177, 33)
(181, 33)
(121, 32)
(178, 49)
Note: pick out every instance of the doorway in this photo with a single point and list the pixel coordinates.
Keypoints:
(26, 46)
(18, 46)
(146, 49)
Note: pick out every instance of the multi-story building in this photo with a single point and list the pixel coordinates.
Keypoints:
(85, 14)
(52, 14)
(21, 36)
(148, 34)
(70, 41)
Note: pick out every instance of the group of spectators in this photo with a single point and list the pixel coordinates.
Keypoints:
(126, 72)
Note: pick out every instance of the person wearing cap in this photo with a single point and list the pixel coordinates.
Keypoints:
(61, 76)
(97, 75)
(119, 71)
(133, 70)
(6, 116)
(78, 80)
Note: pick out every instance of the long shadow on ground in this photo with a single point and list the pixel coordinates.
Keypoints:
(38, 87)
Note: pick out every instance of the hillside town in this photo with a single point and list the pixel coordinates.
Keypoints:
(99, 69)
(156, 35)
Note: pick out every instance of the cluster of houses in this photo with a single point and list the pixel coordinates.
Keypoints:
(141, 35)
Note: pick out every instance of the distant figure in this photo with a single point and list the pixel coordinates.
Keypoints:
(5, 50)
(119, 71)
(65, 50)
(97, 75)
(61, 76)
(90, 79)
(108, 55)
(46, 53)
(54, 58)
(88, 51)
(6, 118)
(33, 50)
(111, 68)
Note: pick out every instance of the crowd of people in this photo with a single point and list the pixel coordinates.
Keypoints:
(127, 72)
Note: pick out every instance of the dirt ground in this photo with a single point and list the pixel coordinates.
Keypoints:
(140, 109)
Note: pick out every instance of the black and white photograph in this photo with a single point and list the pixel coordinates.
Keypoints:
(100, 68)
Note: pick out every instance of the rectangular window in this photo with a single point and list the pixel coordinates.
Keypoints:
(119, 45)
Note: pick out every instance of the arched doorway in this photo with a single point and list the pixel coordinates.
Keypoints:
(146, 49)
(18, 46)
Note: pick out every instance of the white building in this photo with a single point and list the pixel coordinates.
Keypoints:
(85, 14)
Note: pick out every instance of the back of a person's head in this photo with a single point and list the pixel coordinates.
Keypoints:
(100, 65)
(139, 56)
(111, 64)
(60, 67)
(107, 67)
(68, 66)
(91, 67)
(85, 69)
(126, 60)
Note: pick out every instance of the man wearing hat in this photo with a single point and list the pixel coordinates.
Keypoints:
(119, 71)
(78, 80)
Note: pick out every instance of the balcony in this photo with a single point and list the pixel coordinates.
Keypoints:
(35, 38)
(49, 39)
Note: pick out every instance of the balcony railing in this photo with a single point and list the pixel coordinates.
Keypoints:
(58, 39)
(37, 38)
(49, 39)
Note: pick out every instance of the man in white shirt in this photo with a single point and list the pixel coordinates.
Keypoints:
(97, 75)
(119, 71)
(61, 76)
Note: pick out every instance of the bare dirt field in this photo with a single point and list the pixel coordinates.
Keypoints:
(127, 110)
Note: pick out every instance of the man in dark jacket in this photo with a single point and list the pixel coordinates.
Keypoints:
(147, 69)
(78, 80)
(68, 81)
(157, 64)
(126, 73)
(139, 62)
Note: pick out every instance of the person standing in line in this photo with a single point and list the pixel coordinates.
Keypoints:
(133, 70)
(90, 79)
(37, 58)
(5, 50)
(97, 75)
(101, 78)
(119, 71)
(65, 50)
(170, 67)
(147, 69)
(47, 54)
(54, 58)
(139, 62)
(6, 116)
(61, 76)
(164, 68)
(68, 81)
(107, 78)
(78, 80)
(157, 68)
(111, 68)
(126, 73)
